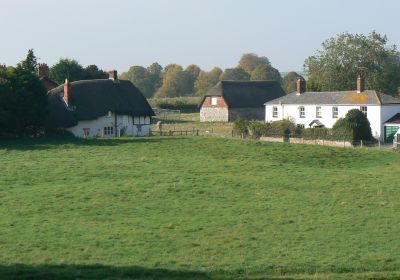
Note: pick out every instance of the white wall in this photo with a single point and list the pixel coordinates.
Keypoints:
(123, 121)
(291, 112)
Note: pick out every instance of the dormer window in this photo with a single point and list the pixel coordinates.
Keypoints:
(109, 114)
(213, 100)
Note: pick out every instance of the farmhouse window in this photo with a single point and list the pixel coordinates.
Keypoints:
(213, 100)
(274, 112)
(139, 128)
(318, 112)
(109, 114)
(108, 131)
(300, 125)
(302, 112)
(364, 110)
(86, 132)
(335, 112)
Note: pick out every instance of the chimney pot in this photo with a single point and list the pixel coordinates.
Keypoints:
(360, 83)
(113, 75)
(43, 70)
(301, 86)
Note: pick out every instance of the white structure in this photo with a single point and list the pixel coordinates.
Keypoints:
(323, 109)
(100, 108)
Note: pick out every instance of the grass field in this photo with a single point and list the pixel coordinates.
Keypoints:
(197, 208)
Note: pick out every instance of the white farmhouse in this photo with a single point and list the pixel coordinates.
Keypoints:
(100, 108)
(322, 109)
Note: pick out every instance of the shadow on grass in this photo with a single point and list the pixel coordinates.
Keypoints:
(55, 142)
(22, 271)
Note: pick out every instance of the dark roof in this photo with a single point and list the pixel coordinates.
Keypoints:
(368, 97)
(317, 122)
(394, 119)
(92, 99)
(48, 83)
(246, 94)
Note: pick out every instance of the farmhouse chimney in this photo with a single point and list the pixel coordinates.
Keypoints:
(360, 83)
(67, 92)
(43, 70)
(300, 85)
(113, 75)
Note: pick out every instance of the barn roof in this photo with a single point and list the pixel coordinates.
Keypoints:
(368, 97)
(92, 99)
(246, 94)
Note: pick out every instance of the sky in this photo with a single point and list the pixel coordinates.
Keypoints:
(116, 34)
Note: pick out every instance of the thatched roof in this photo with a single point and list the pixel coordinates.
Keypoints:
(92, 99)
(246, 94)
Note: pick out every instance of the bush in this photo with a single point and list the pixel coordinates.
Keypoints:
(354, 127)
(241, 127)
(184, 104)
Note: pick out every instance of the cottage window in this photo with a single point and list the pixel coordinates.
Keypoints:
(213, 100)
(300, 125)
(139, 129)
(86, 132)
(302, 112)
(108, 131)
(364, 110)
(335, 112)
(274, 112)
(318, 112)
(109, 114)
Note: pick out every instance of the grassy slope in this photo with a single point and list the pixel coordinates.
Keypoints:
(197, 207)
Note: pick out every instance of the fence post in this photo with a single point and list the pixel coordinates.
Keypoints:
(232, 133)
(361, 143)
(212, 130)
(197, 133)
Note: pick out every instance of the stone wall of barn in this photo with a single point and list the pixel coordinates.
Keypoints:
(246, 113)
(214, 113)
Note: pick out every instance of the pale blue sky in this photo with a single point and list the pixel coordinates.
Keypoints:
(120, 33)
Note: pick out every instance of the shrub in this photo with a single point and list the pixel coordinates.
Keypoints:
(241, 127)
(354, 127)
(184, 104)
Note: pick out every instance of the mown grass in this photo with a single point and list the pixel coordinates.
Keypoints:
(203, 208)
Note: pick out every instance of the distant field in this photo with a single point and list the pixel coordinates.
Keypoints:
(197, 208)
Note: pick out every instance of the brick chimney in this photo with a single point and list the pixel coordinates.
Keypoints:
(301, 86)
(360, 83)
(113, 75)
(67, 92)
(43, 70)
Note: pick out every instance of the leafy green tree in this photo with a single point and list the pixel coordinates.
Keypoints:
(235, 74)
(30, 62)
(23, 102)
(92, 72)
(266, 73)
(175, 82)
(66, 68)
(289, 82)
(192, 72)
(139, 76)
(337, 65)
(155, 75)
(354, 126)
(249, 61)
(207, 80)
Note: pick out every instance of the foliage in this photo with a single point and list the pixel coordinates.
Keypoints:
(289, 82)
(256, 129)
(235, 74)
(92, 72)
(241, 126)
(206, 80)
(23, 102)
(197, 208)
(176, 82)
(184, 104)
(336, 66)
(30, 62)
(355, 125)
(250, 61)
(139, 76)
(192, 72)
(266, 73)
(66, 68)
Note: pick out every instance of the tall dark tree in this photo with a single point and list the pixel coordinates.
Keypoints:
(23, 102)
(30, 62)
(140, 77)
(289, 82)
(175, 82)
(336, 66)
(155, 75)
(192, 72)
(235, 74)
(249, 61)
(92, 72)
(67, 69)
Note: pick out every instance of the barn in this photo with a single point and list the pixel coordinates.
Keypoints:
(229, 100)
(100, 108)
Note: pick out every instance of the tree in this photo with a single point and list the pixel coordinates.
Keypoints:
(139, 76)
(30, 62)
(192, 72)
(67, 68)
(175, 82)
(23, 102)
(337, 65)
(289, 82)
(266, 73)
(235, 74)
(92, 72)
(155, 75)
(249, 61)
(354, 126)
